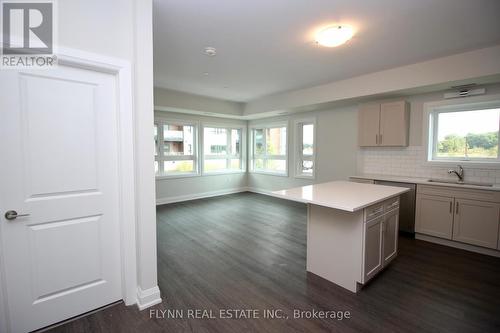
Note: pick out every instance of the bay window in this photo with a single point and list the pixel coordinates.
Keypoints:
(269, 149)
(175, 148)
(222, 149)
(305, 148)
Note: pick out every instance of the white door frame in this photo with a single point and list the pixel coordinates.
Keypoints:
(121, 69)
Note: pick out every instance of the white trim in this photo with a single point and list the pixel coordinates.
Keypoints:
(466, 103)
(122, 70)
(188, 197)
(297, 144)
(457, 245)
(147, 298)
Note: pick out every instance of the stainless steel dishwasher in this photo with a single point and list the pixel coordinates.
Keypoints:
(406, 205)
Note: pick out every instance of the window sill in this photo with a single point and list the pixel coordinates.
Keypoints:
(179, 175)
(304, 176)
(225, 172)
(269, 173)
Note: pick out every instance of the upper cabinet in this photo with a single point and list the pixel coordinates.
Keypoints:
(385, 124)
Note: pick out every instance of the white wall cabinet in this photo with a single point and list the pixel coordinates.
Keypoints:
(462, 215)
(385, 124)
(380, 238)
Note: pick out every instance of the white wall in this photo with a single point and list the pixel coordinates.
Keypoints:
(336, 135)
(178, 189)
(411, 161)
(123, 29)
(170, 100)
(446, 70)
(103, 27)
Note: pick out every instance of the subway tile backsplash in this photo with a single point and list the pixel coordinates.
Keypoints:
(410, 162)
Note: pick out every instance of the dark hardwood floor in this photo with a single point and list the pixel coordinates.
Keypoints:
(247, 251)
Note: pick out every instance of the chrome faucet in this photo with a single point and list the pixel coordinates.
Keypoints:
(459, 173)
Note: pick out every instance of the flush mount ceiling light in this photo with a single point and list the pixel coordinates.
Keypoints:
(210, 51)
(334, 35)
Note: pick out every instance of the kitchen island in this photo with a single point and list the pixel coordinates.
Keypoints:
(352, 229)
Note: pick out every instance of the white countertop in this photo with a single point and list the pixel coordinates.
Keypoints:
(424, 181)
(343, 195)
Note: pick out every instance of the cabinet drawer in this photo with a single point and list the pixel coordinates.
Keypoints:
(374, 211)
(391, 204)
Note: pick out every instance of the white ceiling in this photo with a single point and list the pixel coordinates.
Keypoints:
(266, 46)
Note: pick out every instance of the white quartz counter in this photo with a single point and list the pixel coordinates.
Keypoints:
(343, 195)
(425, 181)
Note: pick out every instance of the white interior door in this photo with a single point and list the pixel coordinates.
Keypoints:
(58, 142)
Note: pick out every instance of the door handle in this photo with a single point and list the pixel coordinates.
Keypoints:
(380, 139)
(376, 139)
(456, 209)
(451, 204)
(12, 215)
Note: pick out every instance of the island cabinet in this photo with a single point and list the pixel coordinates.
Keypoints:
(461, 215)
(352, 229)
(380, 237)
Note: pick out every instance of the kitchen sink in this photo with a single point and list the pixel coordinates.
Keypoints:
(457, 182)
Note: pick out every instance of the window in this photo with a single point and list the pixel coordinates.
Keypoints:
(175, 148)
(222, 149)
(269, 149)
(305, 151)
(465, 132)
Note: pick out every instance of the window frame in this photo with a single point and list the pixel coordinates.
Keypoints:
(228, 157)
(252, 156)
(298, 155)
(430, 128)
(160, 158)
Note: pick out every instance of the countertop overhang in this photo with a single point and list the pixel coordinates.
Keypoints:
(342, 195)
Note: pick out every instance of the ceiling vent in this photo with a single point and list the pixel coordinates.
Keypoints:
(465, 91)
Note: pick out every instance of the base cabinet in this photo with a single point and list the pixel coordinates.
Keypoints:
(434, 215)
(476, 222)
(380, 243)
(390, 236)
(467, 216)
(373, 262)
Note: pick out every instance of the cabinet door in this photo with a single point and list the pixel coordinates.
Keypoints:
(394, 123)
(434, 215)
(476, 222)
(368, 125)
(390, 236)
(372, 246)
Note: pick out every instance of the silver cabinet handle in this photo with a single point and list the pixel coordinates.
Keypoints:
(12, 215)
(376, 139)
(380, 139)
(451, 204)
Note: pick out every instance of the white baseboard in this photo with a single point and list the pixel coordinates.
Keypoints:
(180, 198)
(262, 191)
(458, 245)
(148, 297)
